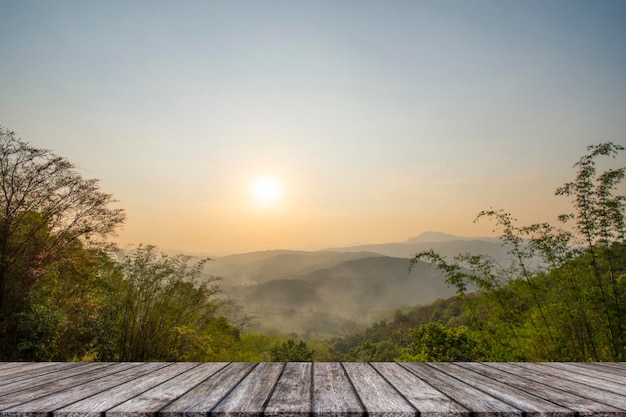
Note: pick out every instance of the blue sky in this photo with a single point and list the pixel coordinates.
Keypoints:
(379, 119)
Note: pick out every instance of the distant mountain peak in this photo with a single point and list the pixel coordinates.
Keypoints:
(434, 237)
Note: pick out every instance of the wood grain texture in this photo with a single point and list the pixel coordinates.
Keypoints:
(333, 393)
(50, 389)
(474, 399)
(379, 398)
(95, 405)
(35, 371)
(249, 397)
(200, 400)
(612, 367)
(160, 396)
(591, 370)
(531, 404)
(293, 394)
(41, 406)
(428, 400)
(16, 368)
(331, 389)
(29, 382)
(583, 398)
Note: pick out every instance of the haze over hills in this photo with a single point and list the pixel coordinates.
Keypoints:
(336, 291)
(443, 243)
(336, 300)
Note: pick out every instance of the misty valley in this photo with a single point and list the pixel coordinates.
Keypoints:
(336, 292)
(534, 293)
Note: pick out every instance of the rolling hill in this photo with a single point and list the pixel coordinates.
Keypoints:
(337, 291)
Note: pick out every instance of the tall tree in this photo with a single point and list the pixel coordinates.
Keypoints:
(572, 306)
(45, 207)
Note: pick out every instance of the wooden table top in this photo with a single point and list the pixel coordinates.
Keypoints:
(352, 389)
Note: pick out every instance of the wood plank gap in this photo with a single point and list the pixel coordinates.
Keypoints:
(532, 403)
(478, 388)
(158, 413)
(102, 413)
(227, 393)
(333, 394)
(247, 399)
(311, 394)
(33, 372)
(517, 375)
(291, 398)
(269, 395)
(83, 389)
(153, 400)
(587, 372)
(204, 396)
(417, 412)
(600, 368)
(161, 383)
(569, 392)
(25, 367)
(426, 398)
(469, 397)
(45, 380)
(593, 383)
(46, 390)
(358, 397)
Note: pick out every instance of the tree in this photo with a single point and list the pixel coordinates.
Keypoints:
(163, 310)
(434, 342)
(572, 306)
(289, 351)
(46, 206)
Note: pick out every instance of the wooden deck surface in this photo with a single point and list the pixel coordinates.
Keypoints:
(132, 389)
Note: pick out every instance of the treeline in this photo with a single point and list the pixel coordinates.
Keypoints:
(561, 297)
(66, 293)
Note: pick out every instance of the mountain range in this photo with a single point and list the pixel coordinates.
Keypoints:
(337, 291)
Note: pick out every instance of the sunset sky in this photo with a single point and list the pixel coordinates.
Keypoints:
(232, 126)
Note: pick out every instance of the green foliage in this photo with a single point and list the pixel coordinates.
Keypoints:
(62, 297)
(572, 306)
(66, 308)
(162, 311)
(290, 351)
(434, 342)
(46, 207)
(383, 341)
(254, 347)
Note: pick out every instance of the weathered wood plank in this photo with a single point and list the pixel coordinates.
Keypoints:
(30, 382)
(320, 389)
(97, 404)
(589, 371)
(532, 405)
(617, 365)
(379, 398)
(13, 399)
(585, 398)
(428, 400)
(333, 393)
(40, 407)
(158, 397)
(34, 374)
(478, 402)
(250, 396)
(293, 395)
(199, 401)
(11, 366)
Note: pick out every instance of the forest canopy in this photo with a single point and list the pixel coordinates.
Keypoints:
(67, 293)
(561, 296)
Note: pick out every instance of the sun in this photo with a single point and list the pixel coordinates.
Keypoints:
(266, 190)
